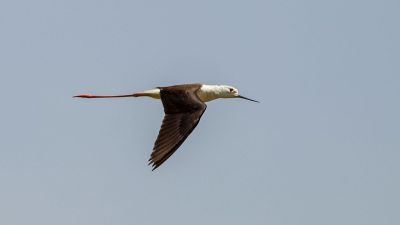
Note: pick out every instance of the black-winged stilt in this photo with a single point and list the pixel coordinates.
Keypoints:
(183, 106)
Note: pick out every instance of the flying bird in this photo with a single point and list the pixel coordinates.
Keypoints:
(183, 107)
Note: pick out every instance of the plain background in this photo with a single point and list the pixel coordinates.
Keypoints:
(322, 147)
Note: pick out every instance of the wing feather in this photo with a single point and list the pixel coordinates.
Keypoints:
(183, 110)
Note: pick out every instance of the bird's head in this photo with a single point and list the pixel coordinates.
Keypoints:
(232, 92)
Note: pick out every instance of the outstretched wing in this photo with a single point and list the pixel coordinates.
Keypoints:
(183, 110)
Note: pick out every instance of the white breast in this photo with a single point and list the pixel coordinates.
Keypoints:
(209, 92)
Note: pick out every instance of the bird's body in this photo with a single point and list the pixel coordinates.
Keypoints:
(183, 107)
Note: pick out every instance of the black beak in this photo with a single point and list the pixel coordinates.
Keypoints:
(239, 96)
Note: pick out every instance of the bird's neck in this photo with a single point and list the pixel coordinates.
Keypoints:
(209, 92)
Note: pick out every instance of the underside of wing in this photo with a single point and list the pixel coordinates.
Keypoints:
(183, 110)
(174, 131)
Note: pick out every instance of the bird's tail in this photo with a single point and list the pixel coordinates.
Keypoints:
(153, 93)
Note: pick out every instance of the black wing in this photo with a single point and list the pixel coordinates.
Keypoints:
(183, 110)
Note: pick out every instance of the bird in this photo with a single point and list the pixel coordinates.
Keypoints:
(184, 105)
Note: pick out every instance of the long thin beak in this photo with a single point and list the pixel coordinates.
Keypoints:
(104, 96)
(248, 99)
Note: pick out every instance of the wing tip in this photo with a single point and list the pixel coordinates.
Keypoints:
(153, 164)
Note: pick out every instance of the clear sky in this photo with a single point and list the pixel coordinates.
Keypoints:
(321, 148)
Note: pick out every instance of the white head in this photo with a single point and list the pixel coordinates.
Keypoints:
(226, 91)
(211, 92)
(232, 92)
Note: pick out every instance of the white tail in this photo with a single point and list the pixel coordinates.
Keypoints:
(153, 93)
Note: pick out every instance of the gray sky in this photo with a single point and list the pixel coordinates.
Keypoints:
(321, 148)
